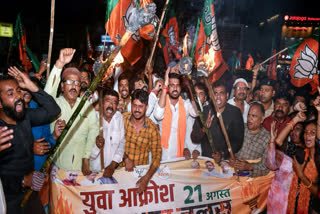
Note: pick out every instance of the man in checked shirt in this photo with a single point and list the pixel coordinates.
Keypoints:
(255, 144)
(142, 137)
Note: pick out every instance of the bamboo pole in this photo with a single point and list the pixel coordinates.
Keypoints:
(155, 44)
(203, 121)
(75, 114)
(51, 37)
(101, 125)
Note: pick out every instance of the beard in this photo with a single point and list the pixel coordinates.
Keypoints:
(11, 111)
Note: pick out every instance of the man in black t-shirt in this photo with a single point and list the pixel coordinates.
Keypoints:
(16, 139)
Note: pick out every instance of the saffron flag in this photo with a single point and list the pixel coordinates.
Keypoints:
(271, 73)
(19, 39)
(169, 38)
(118, 15)
(303, 69)
(207, 38)
(89, 45)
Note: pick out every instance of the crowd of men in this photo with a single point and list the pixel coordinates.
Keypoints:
(139, 125)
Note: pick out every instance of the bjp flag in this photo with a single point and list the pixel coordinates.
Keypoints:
(207, 38)
(118, 15)
(304, 64)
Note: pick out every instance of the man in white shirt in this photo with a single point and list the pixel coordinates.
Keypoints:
(113, 140)
(172, 113)
(240, 87)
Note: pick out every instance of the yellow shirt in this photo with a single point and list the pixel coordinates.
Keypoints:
(83, 132)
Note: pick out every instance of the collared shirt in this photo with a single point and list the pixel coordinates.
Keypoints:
(138, 145)
(114, 143)
(171, 152)
(279, 125)
(255, 146)
(245, 109)
(269, 111)
(233, 122)
(38, 132)
(152, 101)
(82, 135)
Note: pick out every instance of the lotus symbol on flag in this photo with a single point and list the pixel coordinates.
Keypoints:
(307, 64)
(136, 18)
(172, 36)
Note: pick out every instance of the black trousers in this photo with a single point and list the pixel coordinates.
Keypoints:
(14, 194)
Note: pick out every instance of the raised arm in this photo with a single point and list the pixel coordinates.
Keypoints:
(300, 117)
(53, 81)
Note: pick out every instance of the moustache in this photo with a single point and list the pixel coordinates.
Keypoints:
(137, 112)
(279, 111)
(73, 90)
(174, 91)
(18, 101)
(109, 108)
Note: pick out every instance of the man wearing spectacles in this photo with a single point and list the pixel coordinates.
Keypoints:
(74, 156)
(240, 87)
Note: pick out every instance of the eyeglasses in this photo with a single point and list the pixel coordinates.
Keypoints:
(241, 88)
(70, 82)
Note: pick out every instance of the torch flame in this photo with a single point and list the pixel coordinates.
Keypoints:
(117, 60)
(209, 59)
(185, 45)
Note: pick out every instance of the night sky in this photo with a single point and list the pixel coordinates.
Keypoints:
(72, 17)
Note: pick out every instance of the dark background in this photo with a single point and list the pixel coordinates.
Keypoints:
(72, 17)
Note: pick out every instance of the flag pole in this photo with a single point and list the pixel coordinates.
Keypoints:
(76, 112)
(51, 37)
(283, 50)
(155, 44)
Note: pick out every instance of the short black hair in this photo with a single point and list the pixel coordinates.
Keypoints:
(220, 83)
(6, 77)
(202, 86)
(141, 95)
(88, 72)
(111, 92)
(123, 76)
(259, 105)
(175, 76)
(284, 96)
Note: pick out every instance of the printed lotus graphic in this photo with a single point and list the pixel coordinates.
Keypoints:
(307, 64)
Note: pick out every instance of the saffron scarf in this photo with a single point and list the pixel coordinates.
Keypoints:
(304, 194)
(166, 127)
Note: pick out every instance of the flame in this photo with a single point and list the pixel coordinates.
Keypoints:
(249, 191)
(185, 45)
(117, 60)
(208, 59)
(62, 206)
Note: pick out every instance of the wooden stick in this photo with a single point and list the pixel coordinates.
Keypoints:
(101, 126)
(76, 112)
(203, 121)
(283, 50)
(219, 115)
(51, 37)
(155, 43)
